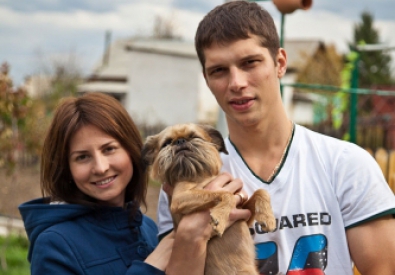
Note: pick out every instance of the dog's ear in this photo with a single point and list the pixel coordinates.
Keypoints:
(216, 138)
(148, 151)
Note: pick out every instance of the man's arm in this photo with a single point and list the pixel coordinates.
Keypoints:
(372, 246)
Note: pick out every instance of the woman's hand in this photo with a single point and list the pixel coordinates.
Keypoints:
(160, 257)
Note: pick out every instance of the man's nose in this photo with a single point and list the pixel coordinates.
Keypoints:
(237, 79)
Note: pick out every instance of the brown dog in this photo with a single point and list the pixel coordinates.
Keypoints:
(186, 156)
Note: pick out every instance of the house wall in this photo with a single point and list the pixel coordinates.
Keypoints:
(303, 113)
(207, 106)
(300, 112)
(163, 89)
(288, 93)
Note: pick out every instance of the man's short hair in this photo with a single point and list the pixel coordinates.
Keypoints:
(233, 21)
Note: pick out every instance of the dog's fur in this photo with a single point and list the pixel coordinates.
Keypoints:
(186, 156)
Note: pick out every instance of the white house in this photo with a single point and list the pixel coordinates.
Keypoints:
(159, 82)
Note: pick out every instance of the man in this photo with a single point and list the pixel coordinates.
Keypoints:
(332, 204)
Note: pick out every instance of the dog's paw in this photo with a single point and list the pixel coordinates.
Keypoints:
(266, 221)
(217, 226)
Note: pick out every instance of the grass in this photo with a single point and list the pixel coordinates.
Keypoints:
(16, 248)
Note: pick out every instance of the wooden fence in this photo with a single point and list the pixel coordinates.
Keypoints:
(386, 160)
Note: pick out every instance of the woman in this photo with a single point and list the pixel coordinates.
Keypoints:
(89, 219)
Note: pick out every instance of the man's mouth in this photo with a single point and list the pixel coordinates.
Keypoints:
(240, 102)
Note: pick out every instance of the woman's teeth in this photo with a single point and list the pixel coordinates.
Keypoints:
(104, 181)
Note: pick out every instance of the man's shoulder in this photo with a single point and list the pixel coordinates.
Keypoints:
(319, 140)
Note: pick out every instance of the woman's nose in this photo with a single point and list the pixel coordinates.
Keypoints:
(101, 165)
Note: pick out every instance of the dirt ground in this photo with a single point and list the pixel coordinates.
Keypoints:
(24, 185)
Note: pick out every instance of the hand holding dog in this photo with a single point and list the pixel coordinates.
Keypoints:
(223, 182)
(194, 230)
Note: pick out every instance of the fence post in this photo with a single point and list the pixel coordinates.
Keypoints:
(354, 101)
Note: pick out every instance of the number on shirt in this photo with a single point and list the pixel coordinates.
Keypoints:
(308, 258)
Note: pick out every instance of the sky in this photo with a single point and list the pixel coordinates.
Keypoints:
(36, 33)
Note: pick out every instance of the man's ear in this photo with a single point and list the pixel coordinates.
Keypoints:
(281, 60)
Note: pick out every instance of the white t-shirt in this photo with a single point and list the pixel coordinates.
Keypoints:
(324, 186)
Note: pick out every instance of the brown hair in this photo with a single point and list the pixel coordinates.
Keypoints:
(233, 21)
(105, 113)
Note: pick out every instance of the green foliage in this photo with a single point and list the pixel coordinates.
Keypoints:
(64, 84)
(16, 249)
(13, 108)
(24, 120)
(322, 67)
(341, 99)
(374, 66)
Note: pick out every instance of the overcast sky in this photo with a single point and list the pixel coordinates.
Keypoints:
(34, 30)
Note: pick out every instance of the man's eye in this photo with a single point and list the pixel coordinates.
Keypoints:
(216, 71)
(251, 62)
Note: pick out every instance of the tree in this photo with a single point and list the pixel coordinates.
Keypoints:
(13, 106)
(65, 75)
(322, 67)
(374, 66)
(165, 28)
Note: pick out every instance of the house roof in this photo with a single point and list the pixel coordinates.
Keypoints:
(104, 87)
(115, 63)
(111, 74)
(298, 51)
(163, 46)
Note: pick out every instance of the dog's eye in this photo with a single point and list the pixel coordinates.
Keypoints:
(192, 136)
(167, 142)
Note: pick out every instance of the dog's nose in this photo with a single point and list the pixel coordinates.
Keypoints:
(180, 141)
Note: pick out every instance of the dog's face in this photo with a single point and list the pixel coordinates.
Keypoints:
(184, 152)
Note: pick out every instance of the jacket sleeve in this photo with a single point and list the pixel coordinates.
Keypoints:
(52, 255)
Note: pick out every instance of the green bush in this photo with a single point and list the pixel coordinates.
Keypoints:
(15, 249)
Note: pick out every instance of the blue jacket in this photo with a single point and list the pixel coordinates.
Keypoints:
(75, 239)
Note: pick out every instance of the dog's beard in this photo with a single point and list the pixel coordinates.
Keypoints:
(193, 161)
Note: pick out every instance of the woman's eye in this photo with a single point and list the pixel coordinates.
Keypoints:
(109, 149)
(81, 157)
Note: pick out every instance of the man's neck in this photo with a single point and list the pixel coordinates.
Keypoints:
(262, 146)
(260, 137)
